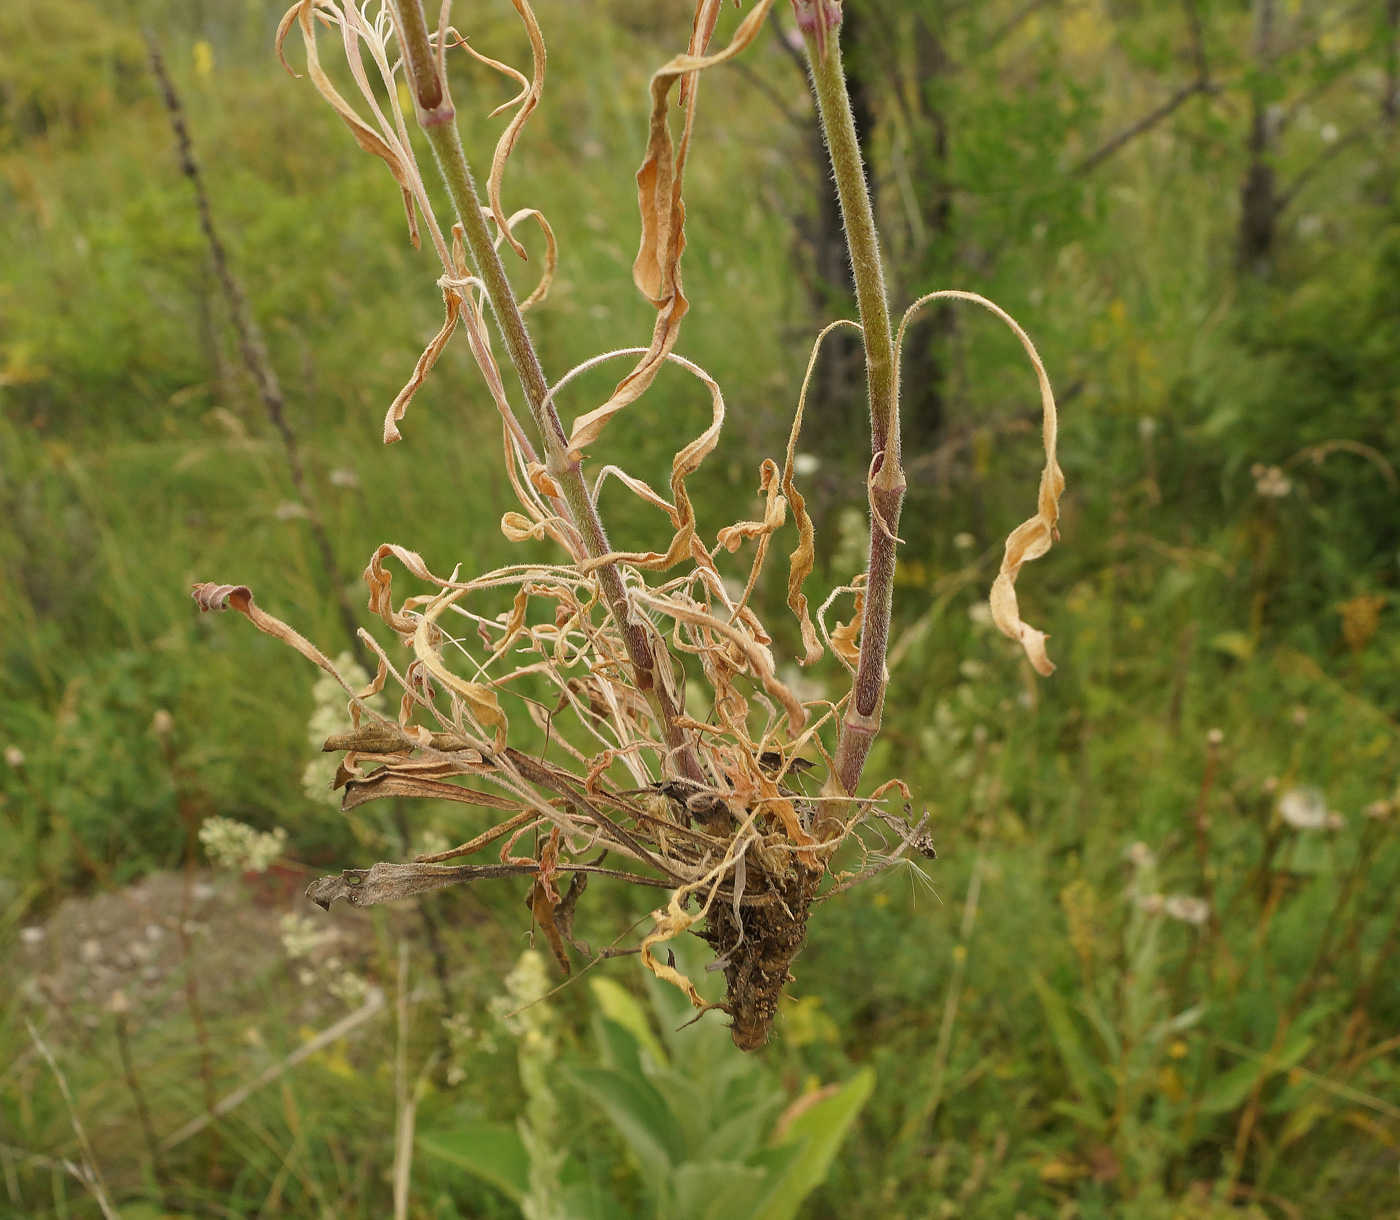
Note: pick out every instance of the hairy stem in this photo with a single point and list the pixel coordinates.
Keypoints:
(438, 119)
(886, 481)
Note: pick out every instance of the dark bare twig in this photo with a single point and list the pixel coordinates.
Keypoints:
(1144, 124)
(133, 1083)
(254, 352)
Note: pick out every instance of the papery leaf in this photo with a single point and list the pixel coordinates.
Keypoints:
(506, 143)
(686, 462)
(480, 699)
(1033, 538)
(364, 887)
(453, 307)
(209, 596)
(365, 135)
(845, 637)
(656, 270)
(386, 782)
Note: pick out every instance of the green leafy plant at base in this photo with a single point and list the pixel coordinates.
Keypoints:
(701, 1125)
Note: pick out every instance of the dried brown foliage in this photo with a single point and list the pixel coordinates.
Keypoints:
(716, 811)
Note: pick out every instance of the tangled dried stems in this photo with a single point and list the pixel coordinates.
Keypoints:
(717, 811)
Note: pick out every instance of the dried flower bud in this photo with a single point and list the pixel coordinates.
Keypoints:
(1270, 785)
(1335, 821)
(1151, 904)
(162, 723)
(1377, 810)
(1139, 855)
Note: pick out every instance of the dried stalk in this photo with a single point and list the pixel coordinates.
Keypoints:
(438, 118)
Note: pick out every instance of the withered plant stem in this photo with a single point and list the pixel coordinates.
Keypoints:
(886, 482)
(254, 353)
(438, 119)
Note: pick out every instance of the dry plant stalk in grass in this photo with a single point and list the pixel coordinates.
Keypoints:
(718, 813)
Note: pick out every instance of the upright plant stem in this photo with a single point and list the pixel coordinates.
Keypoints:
(886, 481)
(438, 119)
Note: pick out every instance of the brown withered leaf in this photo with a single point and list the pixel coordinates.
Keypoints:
(389, 738)
(387, 782)
(209, 596)
(845, 637)
(364, 887)
(479, 698)
(1034, 537)
(802, 559)
(686, 462)
(506, 143)
(452, 304)
(365, 135)
(656, 271)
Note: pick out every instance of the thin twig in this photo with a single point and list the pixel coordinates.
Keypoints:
(372, 1007)
(89, 1175)
(254, 351)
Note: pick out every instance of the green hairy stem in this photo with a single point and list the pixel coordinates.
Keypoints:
(886, 484)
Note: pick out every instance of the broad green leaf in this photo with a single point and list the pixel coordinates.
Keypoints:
(717, 1190)
(640, 1115)
(490, 1151)
(620, 1006)
(815, 1134)
(1084, 1074)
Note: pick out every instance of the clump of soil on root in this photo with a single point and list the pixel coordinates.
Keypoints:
(757, 948)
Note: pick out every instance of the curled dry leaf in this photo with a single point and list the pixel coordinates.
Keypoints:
(657, 269)
(1034, 537)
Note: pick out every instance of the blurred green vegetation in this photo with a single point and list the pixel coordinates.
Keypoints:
(1054, 1030)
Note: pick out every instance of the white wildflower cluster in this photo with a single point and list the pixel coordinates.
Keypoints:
(233, 844)
(525, 1015)
(330, 716)
(303, 940)
(301, 937)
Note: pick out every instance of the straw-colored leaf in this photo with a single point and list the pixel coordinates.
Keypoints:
(399, 407)
(1034, 537)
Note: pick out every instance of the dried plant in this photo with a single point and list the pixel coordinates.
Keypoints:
(598, 648)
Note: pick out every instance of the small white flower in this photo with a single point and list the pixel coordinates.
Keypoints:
(980, 613)
(1335, 821)
(31, 936)
(162, 723)
(14, 756)
(1328, 133)
(1139, 855)
(350, 988)
(1377, 810)
(1215, 737)
(1270, 481)
(806, 464)
(1303, 808)
(344, 477)
(964, 541)
(301, 937)
(1187, 909)
(289, 510)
